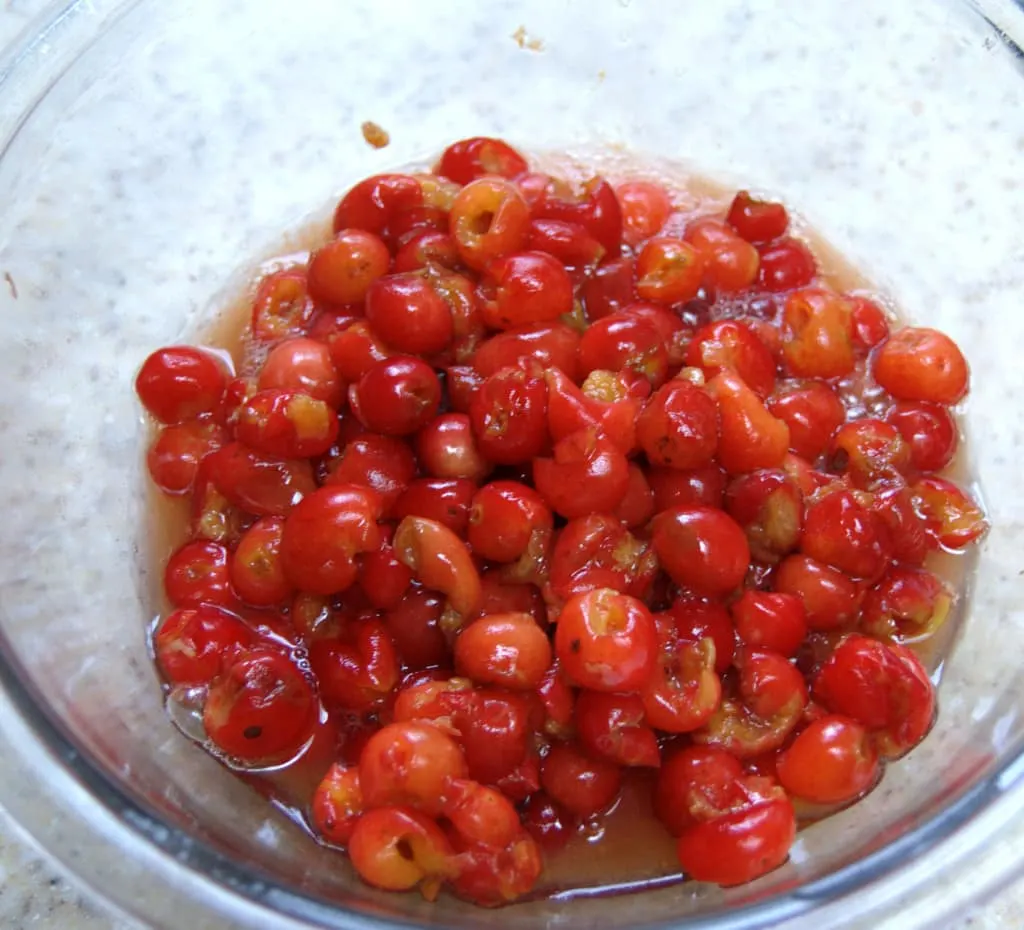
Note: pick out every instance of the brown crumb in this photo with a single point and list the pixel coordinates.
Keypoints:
(10, 283)
(523, 40)
(375, 135)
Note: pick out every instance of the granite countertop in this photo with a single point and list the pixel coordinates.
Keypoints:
(33, 893)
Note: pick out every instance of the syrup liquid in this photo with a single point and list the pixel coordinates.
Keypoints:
(626, 849)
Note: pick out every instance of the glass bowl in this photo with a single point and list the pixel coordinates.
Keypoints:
(152, 149)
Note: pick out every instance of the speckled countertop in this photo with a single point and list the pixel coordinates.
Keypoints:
(34, 895)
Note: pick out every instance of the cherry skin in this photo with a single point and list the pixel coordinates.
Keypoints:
(739, 846)
(410, 763)
(605, 641)
(342, 271)
(527, 287)
(261, 709)
(408, 313)
(757, 220)
(488, 219)
(645, 207)
(174, 457)
(396, 396)
(786, 264)
(679, 426)
(884, 687)
(372, 203)
(813, 413)
(929, 431)
(701, 548)
(730, 262)
(918, 363)
(509, 416)
(470, 159)
(180, 383)
(508, 649)
(323, 534)
(303, 364)
(668, 271)
(580, 783)
(282, 306)
(832, 761)
(194, 645)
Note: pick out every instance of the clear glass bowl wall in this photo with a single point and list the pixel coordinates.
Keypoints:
(151, 149)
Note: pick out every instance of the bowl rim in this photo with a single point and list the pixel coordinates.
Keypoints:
(70, 28)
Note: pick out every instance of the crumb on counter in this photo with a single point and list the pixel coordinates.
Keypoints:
(11, 285)
(375, 135)
(601, 75)
(524, 40)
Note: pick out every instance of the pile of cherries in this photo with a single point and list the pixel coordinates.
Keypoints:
(519, 485)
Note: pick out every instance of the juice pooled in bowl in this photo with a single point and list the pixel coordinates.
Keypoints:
(532, 510)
